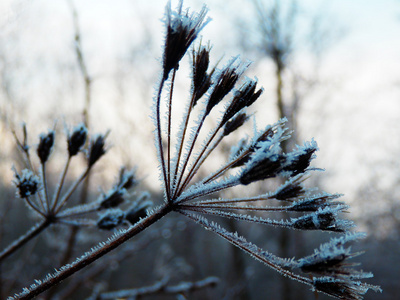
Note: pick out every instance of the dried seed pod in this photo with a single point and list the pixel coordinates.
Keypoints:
(235, 123)
(244, 97)
(46, 143)
(111, 219)
(27, 183)
(77, 139)
(113, 198)
(201, 80)
(182, 30)
(127, 179)
(96, 149)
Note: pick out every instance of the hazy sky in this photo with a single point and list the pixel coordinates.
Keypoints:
(360, 71)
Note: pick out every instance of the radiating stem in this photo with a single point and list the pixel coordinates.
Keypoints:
(98, 252)
(223, 169)
(202, 157)
(181, 142)
(60, 185)
(204, 191)
(71, 190)
(46, 193)
(34, 231)
(159, 144)
(33, 206)
(169, 129)
(178, 189)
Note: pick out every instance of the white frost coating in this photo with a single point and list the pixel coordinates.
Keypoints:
(198, 190)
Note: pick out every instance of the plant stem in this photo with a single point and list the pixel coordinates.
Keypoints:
(98, 252)
(34, 231)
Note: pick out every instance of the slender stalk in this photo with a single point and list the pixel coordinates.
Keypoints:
(223, 169)
(235, 200)
(71, 190)
(178, 189)
(98, 252)
(33, 232)
(202, 157)
(169, 129)
(60, 185)
(249, 208)
(251, 249)
(34, 207)
(46, 192)
(204, 191)
(181, 142)
(159, 144)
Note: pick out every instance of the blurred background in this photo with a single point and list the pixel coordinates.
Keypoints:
(331, 67)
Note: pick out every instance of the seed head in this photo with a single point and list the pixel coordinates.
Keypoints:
(27, 183)
(182, 30)
(242, 98)
(77, 139)
(235, 123)
(112, 199)
(45, 145)
(111, 219)
(201, 80)
(225, 82)
(96, 149)
(127, 179)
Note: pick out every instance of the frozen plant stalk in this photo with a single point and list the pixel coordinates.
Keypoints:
(258, 158)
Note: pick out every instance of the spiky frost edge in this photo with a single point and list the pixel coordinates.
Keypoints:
(272, 261)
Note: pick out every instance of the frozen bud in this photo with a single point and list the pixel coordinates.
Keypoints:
(127, 179)
(224, 84)
(299, 160)
(242, 98)
(201, 80)
(112, 199)
(235, 123)
(77, 139)
(342, 288)
(138, 212)
(27, 183)
(182, 30)
(323, 219)
(111, 219)
(96, 149)
(45, 145)
(316, 202)
(332, 259)
(264, 168)
(289, 191)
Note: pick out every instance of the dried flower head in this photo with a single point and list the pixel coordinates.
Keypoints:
(45, 145)
(182, 30)
(27, 183)
(111, 219)
(96, 149)
(77, 139)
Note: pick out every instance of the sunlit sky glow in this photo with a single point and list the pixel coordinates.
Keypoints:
(356, 124)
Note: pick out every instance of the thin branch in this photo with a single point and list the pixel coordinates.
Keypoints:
(97, 252)
(33, 232)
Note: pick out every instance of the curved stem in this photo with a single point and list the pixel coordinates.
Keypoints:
(34, 231)
(181, 142)
(169, 130)
(98, 252)
(202, 157)
(71, 190)
(60, 185)
(46, 193)
(159, 144)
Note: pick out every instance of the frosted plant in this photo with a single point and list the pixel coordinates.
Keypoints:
(254, 159)
(33, 188)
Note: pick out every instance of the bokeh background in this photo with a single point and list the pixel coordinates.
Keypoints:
(340, 85)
